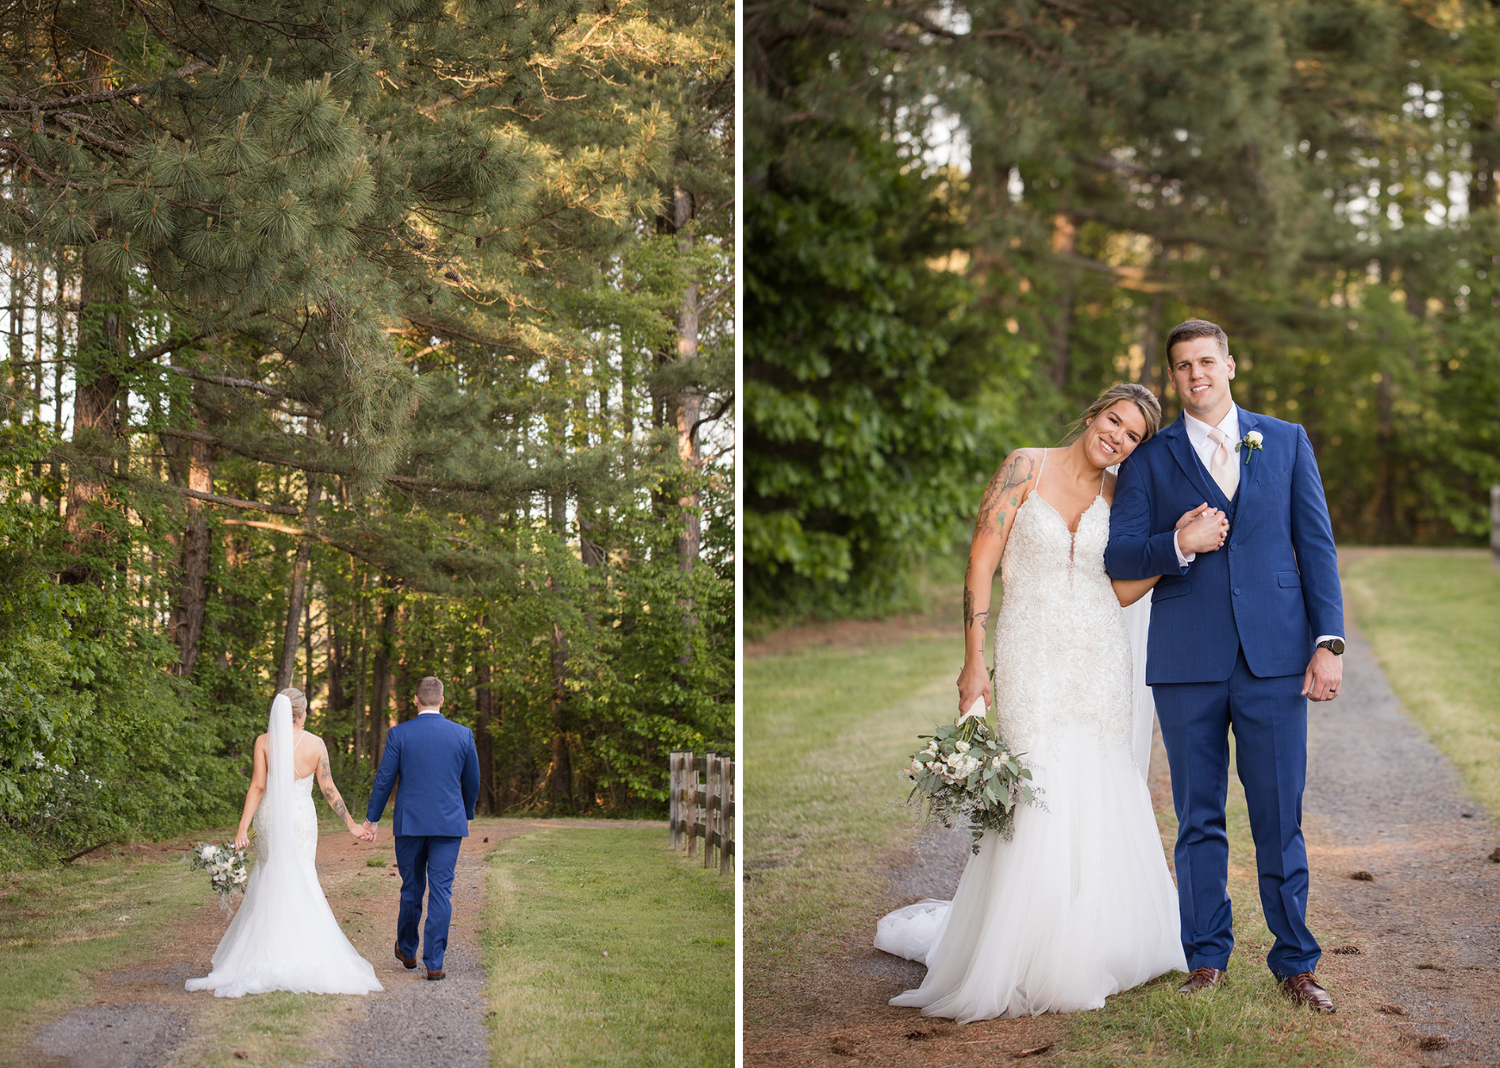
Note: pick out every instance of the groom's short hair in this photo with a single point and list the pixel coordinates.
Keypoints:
(1196, 328)
(429, 692)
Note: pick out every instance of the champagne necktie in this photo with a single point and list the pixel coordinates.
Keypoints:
(1221, 465)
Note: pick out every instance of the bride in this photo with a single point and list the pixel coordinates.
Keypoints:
(284, 936)
(1078, 904)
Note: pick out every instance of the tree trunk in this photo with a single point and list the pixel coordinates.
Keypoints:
(484, 710)
(97, 423)
(191, 464)
(1064, 239)
(298, 592)
(690, 403)
(380, 704)
(1151, 341)
(97, 400)
(561, 772)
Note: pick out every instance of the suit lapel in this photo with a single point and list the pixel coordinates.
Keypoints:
(1182, 450)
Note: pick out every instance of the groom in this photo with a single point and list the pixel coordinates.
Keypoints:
(436, 764)
(1241, 637)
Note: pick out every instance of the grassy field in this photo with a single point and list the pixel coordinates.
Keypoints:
(59, 925)
(607, 948)
(825, 731)
(1433, 618)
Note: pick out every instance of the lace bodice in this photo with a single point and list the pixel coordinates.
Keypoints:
(304, 820)
(1061, 652)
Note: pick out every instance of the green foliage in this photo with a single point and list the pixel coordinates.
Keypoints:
(1318, 178)
(871, 423)
(418, 308)
(96, 741)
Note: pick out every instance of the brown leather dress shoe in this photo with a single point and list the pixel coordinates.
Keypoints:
(435, 974)
(1201, 979)
(410, 962)
(1304, 990)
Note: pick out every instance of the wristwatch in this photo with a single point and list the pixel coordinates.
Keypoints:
(1333, 645)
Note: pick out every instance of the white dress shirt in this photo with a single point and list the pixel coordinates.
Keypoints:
(1204, 446)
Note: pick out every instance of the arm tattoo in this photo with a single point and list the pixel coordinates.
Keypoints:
(972, 617)
(330, 792)
(1003, 495)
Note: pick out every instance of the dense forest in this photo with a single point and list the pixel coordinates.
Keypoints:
(963, 220)
(349, 343)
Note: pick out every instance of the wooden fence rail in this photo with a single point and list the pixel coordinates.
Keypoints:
(704, 807)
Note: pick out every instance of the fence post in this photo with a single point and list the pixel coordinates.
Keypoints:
(690, 799)
(726, 841)
(710, 812)
(1495, 525)
(674, 801)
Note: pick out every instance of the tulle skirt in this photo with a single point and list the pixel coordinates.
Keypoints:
(1077, 906)
(285, 937)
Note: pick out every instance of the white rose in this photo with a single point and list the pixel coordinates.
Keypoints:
(962, 747)
(1255, 437)
(208, 852)
(996, 763)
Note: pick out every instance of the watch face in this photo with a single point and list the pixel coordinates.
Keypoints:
(1334, 646)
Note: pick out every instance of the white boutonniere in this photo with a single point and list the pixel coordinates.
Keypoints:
(1250, 441)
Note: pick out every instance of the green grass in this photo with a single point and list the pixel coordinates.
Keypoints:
(1433, 618)
(61, 924)
(607, 948)
(825, 732)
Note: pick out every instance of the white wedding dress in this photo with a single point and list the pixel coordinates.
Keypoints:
(1078, 904)
(284, 936)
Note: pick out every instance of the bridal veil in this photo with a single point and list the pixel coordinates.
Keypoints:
(284, 936)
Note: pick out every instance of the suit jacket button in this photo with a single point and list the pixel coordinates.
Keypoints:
(1236, 591)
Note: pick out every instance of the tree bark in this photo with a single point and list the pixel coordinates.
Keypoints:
(97, 400)
(560, 774)
(484, 711)
(1151, 341)
(191, 464)
(1064, 239)
(380, 704)
(299, 590)
(690, 403)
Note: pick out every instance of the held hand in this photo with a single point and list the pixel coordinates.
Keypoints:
(1205, 533)
(973, 683)
(241, 840)
(1325, 674)
(371, 831)
(360, 834)
(1193, 513)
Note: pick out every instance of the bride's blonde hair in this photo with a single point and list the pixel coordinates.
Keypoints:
(298, 700)
(1142, 397)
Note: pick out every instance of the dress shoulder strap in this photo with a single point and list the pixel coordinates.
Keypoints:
(1037, 485)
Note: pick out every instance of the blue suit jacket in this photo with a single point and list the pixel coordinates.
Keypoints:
(438, 768)
(1273, 586)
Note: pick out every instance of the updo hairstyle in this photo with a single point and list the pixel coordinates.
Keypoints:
(298, 700)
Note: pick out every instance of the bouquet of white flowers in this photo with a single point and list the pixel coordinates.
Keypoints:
(226, 868)
(965, 775)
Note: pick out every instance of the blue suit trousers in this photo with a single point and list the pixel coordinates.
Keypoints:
(426, 863)
(1269, 720)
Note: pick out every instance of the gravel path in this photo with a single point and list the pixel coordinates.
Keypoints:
(1382, 800)
(143, 1018)
(1412, 953)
